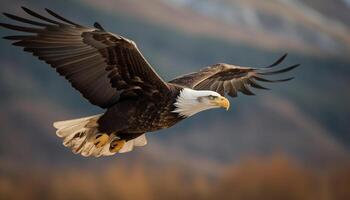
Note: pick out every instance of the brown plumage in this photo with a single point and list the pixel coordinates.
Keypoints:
(110, 72)
(229, 79)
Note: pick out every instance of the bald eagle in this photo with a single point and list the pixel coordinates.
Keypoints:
(110, 72)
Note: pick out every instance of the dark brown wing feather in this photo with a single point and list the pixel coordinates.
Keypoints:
(229, 79)
(103, 66)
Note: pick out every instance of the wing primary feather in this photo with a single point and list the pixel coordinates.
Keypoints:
(244, 89)
(20, 19)
(79, 54)
(272, 81)
(21, 28)
(34, 14)
(203, 84)
(75, 59)
(129, 63)
(55, 40)
(214, 86)
(18, 37)
(233, 92)
(98, 26)
(229, 89)
(45, 45)
(279, 71)
(67, 56)
(71, 69)
(256, 85)
(61, 18)
(49, 42)
(220, 88)
(66, 53)
(63, 48)
(278, 61)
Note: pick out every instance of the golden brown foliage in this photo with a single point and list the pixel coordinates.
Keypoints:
(254, 179)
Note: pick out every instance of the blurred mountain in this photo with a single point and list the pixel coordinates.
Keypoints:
(306, 118)
(307, 26)
(337, 9)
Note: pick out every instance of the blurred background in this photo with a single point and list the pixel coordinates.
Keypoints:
(289, 143)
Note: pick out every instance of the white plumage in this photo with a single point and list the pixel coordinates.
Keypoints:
(187, 103)
(79, 135)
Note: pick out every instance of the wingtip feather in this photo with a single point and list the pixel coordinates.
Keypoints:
(25, 9)
(277, 62)
(98, 26)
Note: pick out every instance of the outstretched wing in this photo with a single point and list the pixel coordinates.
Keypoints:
(229, 79)
(103, 66)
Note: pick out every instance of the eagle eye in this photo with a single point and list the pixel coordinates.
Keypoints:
(211, 97)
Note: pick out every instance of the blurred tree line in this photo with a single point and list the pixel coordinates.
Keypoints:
(272, 178)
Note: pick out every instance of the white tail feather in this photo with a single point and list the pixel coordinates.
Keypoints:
(140, 141)
(129, 146)
(79, 135)
(66, 123)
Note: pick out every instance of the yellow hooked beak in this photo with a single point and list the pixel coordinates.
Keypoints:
(222, 102)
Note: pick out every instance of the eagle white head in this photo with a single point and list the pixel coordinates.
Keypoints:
(190, 102)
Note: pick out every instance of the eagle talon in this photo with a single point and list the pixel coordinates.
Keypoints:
(116, 145)
(101, 140)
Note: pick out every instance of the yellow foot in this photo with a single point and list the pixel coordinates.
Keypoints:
(101, 140)
(116, 145)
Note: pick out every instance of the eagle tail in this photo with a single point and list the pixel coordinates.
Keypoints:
(81, 135)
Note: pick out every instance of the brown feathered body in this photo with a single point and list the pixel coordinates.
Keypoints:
(134, 117)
